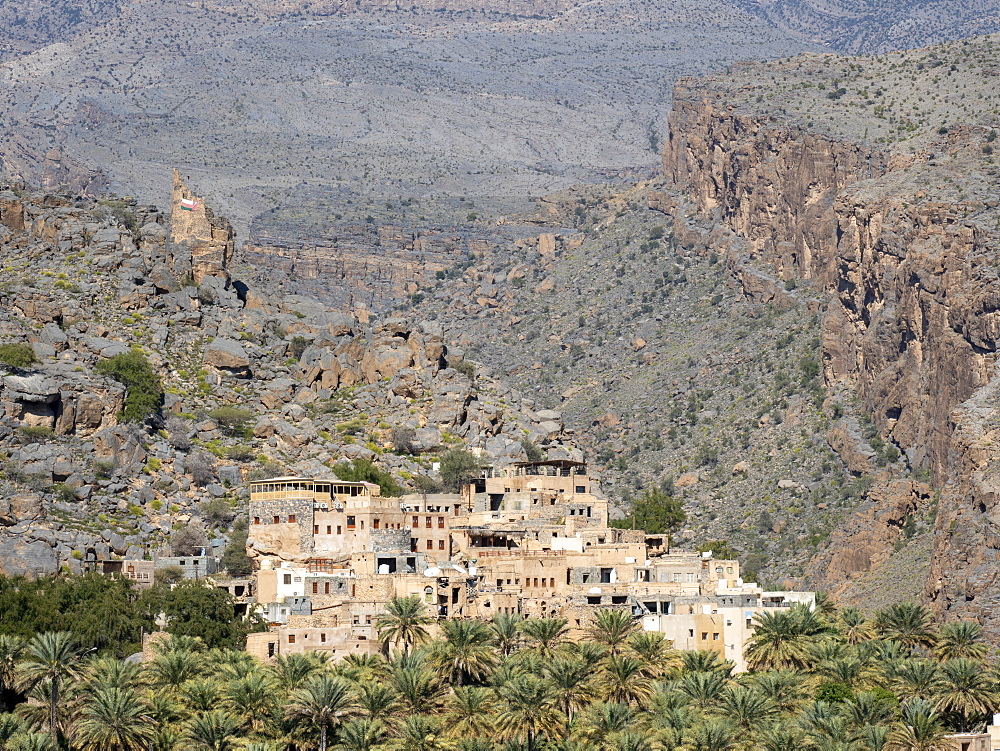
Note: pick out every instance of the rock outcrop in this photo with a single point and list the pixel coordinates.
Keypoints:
(301, 386)
(907, 269)
(204, 241)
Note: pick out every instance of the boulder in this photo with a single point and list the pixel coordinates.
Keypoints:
(229, 357)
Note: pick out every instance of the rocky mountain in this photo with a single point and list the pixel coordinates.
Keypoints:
(870, 27)
(253, 381)
(873, 183)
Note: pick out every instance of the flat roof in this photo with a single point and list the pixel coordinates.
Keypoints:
(551, 463)
(332, 481)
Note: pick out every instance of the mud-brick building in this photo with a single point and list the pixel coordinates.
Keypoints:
(299, 519)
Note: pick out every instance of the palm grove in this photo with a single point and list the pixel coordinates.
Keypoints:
(819, 679)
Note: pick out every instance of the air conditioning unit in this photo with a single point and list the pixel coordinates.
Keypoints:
(323, 505)
(338, 506)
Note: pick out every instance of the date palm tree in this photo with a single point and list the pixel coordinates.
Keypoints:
(571, 684)
(53, 657)
(868, 710)
(217, 730)
(112, 672)
(920, 729)
(289, 671)
(623, 679)
(655, 652)
(966, 691)
(469, 713)
(171, 668)
(465, 653)
(113, 719)
(702, 689)
(252, 698)
(528, 710)
(421, 733)
(324, 702)
(747, 708)
(960, 639)
(545, 635)
(507, 636)
(854, 627)
(784, 639)
(703, 661)
(612, 628)
(712, 735)
(361, 734)
(404, 622)
(602, 721)
(376, 701)
(913, 679)
(907, 623)
(417, 689)
(785, 688)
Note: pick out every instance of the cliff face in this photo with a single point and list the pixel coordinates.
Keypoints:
(911, 322)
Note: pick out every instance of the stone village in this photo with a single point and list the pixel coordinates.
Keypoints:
(531, 538)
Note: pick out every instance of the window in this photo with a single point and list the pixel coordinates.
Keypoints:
(545, 582)
(315, 529)
(315, 588)
(322, 638)
(350, 522)
(430, 544)
(277, 519)
(440, 522)
(287, 579)
(704, 635)
(256, 520)
(691, 632)
(292, 518)
(291, 638)
(690, 578)
(338, 529)
(677, 578)
(715, 637)
(427, 522)
(326, 588)
(375, 523)
(718, 569)
(440, 544)
(581, 488)
(329, 529)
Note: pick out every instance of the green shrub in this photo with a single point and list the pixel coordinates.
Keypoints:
(63, 492)
(232, 420)
(362, 470)
(458, 468)
(145, 394)
(239, 453)
(297, 346)
(35, 433)
(17, 355)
